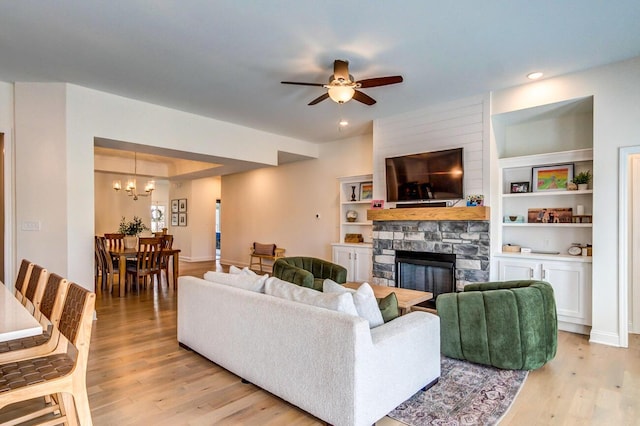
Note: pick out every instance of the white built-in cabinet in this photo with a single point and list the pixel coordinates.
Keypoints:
(356, 257)
(549, 135)
(569, 277)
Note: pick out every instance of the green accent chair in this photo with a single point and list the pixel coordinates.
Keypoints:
(509, 324)
(308, 271)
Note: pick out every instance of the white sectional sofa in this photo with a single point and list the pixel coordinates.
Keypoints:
(328, 363)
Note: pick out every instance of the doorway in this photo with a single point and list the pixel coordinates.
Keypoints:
(634, 246)
(218, 229)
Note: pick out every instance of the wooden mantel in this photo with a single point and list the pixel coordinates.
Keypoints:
(430, 213)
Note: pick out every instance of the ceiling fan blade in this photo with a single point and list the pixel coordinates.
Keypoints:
(302, 84)
(380, 81)
(340, 70)
(319, 99)
(365, 99)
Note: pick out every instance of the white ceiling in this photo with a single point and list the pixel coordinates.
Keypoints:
(225, 58)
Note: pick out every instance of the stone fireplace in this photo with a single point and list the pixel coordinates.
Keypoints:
(468, 240)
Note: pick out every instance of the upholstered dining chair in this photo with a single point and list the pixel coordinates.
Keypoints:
(62, 374)
(48, 315)
(147, 263)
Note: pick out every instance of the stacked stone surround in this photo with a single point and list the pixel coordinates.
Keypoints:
(468, 240)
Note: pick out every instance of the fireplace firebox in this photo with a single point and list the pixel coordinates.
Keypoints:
(426, 271)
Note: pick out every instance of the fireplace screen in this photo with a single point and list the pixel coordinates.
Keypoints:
(424, 271)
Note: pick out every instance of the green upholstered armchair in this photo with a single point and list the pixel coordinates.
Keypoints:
(308, 271)
(509, 324)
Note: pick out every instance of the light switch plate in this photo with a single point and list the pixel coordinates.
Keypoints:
(31, 225)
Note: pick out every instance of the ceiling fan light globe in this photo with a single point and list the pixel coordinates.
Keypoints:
(341, 94)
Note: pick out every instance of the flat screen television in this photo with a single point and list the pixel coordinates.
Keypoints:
(435, 175)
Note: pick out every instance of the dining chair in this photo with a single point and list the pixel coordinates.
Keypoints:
(147, 263)
(167, 244)
(49, 316)
(22, 279)
(35, 288)
(63, 374)
(114, 241)
(105, 264)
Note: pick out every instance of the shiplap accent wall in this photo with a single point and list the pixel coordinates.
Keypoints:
(463, 123)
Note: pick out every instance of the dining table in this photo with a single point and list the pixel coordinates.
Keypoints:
(16, 321)
(130, 253)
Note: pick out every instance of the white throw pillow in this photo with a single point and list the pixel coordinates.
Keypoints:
(234, 270)
(364, 300)
(241, 280)
(333, 301)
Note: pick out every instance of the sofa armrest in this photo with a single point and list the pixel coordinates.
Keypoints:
(292, 274)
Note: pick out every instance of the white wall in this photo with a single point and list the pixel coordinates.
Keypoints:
(279, 205)
(616, 123)
(111, 206)
(6, 129)
(462, 123)
(55, 127)
(41, 180)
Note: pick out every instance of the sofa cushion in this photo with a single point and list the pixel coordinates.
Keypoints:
(240, 280)
(389, 307)
(363, 299)
(341, 302)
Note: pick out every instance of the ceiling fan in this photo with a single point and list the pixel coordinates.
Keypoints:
(343, 87)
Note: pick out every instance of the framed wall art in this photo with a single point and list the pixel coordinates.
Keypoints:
(182, 205)
(174, 219)
(174, 206)
(551, 178)
(182, 219)
(366, 191)
(518, 187)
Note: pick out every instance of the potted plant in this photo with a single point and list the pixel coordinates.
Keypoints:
(582, 179)
(131, 230)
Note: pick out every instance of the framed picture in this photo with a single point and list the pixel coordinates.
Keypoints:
(517, 187)
(377, 204)
(174, 206)
(550, 215)
(174, 219)
(551, 178)
(182, 219)
(182, 205)
(366, 191)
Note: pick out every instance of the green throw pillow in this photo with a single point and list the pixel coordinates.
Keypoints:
(389, 307)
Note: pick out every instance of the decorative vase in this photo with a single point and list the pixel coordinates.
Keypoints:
(130, 241)
(352, 215)
(353, 193)
(583, 186)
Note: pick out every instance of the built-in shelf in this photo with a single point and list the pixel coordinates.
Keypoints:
(549, 225)
(548, 194)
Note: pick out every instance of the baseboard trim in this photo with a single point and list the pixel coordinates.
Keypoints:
(605, 338)
(189, 259)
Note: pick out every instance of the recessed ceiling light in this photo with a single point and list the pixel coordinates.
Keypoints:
(534, 75)
(343, 123)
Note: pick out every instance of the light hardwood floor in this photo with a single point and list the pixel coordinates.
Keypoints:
(138, 375)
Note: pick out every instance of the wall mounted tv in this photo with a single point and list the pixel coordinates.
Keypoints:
(435, 175)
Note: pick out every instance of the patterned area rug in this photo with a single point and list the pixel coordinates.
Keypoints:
(467, 394)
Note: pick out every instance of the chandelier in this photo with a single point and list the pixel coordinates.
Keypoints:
(131, 183)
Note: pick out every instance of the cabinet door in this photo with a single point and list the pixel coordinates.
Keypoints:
(362, 264)
(571, 284)
(515, 269)
(343, 256)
